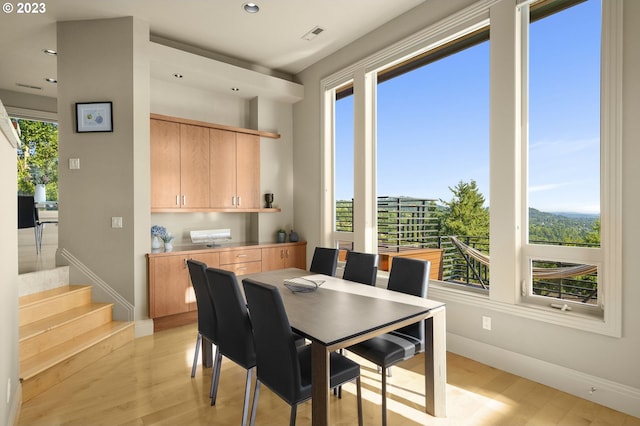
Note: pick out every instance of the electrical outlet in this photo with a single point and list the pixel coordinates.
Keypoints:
(486, 323)
(116, 222)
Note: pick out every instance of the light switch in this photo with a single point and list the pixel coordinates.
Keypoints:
(116, 222)
(74, 163)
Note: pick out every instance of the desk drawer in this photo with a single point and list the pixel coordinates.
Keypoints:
(240, 256)
(244, 268)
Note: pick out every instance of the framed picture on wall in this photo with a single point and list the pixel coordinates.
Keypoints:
(94, 117)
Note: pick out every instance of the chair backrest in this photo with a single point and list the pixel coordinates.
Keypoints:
(277, 357)
(361, 267)
(26, 212)
(235, 337)
(206, 310)
(325, 261)
(410, 276)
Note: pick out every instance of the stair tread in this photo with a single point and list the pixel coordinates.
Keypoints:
(46, 295)
(46, 324)
(59, 353)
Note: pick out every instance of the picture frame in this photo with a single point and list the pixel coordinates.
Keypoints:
(94, 117)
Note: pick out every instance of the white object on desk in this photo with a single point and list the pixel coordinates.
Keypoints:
(210, 236)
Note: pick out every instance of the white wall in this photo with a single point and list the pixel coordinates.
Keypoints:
(568, 359)
(9, 367)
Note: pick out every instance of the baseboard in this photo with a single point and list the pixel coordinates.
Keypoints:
(16, 405)
(601, 391)
(143, 327)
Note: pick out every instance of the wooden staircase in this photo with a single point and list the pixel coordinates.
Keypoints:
(61, 332)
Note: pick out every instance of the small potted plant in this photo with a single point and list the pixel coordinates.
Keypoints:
(282, 235)
(157, 232)
(167, 238)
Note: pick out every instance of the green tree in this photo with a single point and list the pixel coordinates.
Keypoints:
(465, 214)
(593, 236)
(38, 157)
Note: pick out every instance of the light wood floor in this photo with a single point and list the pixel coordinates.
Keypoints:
(147, 382)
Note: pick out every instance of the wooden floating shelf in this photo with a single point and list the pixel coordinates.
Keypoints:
(216, 126)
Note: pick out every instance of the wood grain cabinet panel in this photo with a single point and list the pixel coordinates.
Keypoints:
(179, 166)
(290, 256)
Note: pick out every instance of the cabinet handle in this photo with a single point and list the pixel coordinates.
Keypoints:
(242, 269)
(281, 254)
(233, 200)
(287, 253)
(239, 199)
(241, 255)
(184, 200)
(177, 200)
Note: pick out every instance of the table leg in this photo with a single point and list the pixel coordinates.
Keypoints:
(320, 385)
(435, 364)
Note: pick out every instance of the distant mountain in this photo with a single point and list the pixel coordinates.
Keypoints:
(560, 227)
(575, 215)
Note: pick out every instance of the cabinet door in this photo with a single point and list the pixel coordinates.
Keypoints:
(194, 166)
(273, 258)
(169, 286)
(222, 170)
(248, 170)
(296, 257)
(165, 164)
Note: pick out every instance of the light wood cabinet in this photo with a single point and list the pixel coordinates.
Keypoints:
(290, 256)
(234, 170)
(179, 166)
(241, 262)
(198, 166)
(170, 289)
(171, 298)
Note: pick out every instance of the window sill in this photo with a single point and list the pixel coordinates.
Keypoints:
(448, 293)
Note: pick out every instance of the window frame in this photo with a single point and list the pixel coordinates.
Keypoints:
(506, 123)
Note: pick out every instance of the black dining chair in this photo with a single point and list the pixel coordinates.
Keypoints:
(235, 336)
(361, 267)
(28, 217)
(409, 276)
(207, 330)
(282, 366)
(324, 261)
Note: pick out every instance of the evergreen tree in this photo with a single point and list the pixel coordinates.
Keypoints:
(465, 214)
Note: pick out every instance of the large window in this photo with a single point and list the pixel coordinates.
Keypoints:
(552, 189)
(562, 248)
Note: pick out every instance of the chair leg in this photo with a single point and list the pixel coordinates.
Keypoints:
(384, 396)
(359, 396)
(195, 355)
(247, 393)
(292, 419)
(215, 377)
(254, 405)
(35, 233)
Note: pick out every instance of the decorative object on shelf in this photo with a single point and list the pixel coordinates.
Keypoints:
(94, 117)
(268, 198)
(40, 194)
(293, 236)
(282, 235)
(167, 238)
(157, 232)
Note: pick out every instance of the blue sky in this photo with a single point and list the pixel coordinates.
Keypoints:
(433, 123)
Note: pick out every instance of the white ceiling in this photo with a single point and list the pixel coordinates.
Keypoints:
(270, 39)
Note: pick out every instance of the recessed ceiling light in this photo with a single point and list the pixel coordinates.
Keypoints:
(177, 75)
(50, 52)
(251, 8)
(235, 89)
(50, 80)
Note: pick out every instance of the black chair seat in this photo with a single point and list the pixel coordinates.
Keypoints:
(388, 349)
(341, 369)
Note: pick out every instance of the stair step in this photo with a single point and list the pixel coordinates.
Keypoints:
(48, 332)
(40, 372)
(36, 306)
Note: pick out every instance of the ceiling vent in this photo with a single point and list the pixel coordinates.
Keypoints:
(312, 34)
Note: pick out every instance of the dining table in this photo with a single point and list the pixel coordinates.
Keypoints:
(341, 313)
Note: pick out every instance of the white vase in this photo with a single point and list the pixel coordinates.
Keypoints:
(155, 243)
(41, 193)
(168, 246)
